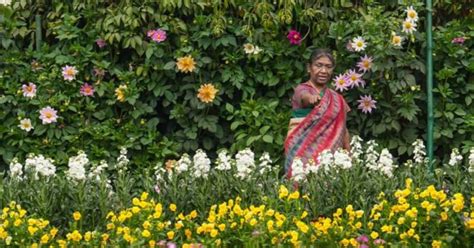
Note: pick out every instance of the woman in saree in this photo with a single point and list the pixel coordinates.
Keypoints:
(318, 120)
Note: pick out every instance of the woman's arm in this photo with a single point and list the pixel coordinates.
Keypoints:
(347, 141)
(308, 99)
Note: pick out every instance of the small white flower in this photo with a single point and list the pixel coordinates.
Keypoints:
(396, 40)
(455, 158)
(249, 48)
(412, 15)
(6, 3)
(408, 26)
(257, 50)
(358, 44)
(25, 124)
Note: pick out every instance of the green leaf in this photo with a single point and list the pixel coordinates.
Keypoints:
(229, 107)
(268, 138)
(169, 66)
(149, 52)
(39, 130)
(235, 125)
(206, 60)
(410, 79)
(460, 112)
(252, 139)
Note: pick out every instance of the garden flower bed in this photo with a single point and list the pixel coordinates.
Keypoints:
(365, 199)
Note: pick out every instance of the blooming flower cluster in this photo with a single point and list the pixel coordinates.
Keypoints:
(77, 171)
(294, 37)
(245, 163)
(242, 167)
(207, 93)
(25, 124)
(353, 78)
(471, 160)
(16, 169)
(40, 166)
(202, 164)
(419, 153)
(87, 90)
(120, 93)
(409, 25)
(223, 161)
(122, 160)
(157, 35)
(69, 72)
(407, 218)
(358, 44)
(366, 104)
(48, 115)
(29, 90)
(100, 43)
(327, 161)
(458, 40)
(186, 64)
(455, 158)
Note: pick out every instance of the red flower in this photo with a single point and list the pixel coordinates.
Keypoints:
(294, 37)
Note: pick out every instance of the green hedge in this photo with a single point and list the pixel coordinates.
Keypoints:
(161, 114)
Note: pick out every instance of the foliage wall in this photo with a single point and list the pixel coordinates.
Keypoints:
(142, 100)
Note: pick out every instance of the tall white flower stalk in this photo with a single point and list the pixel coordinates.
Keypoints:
(471, 160)
(202, 164)
(40, 166)
(356, 149)
(122, 160)
(326, 160)
(385, 163)
(97, 171)
(265, 163)
(298, 172)
(76, 164)
(455, 158)
(223, 161)
(371, 155)
(184, 164)
(16, 169)
(245, 163)
(342, 159)
(419, 152)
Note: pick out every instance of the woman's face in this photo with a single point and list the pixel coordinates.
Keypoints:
(320, 70)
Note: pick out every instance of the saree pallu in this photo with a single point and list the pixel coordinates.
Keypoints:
(322, 128)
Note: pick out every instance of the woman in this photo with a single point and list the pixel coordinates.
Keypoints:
(318, 118)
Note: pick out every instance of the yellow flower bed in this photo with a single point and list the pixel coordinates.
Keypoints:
(413, 216)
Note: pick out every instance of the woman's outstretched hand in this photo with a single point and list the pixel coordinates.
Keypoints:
(313, 99)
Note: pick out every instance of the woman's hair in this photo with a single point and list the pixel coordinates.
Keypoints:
(318, 53)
